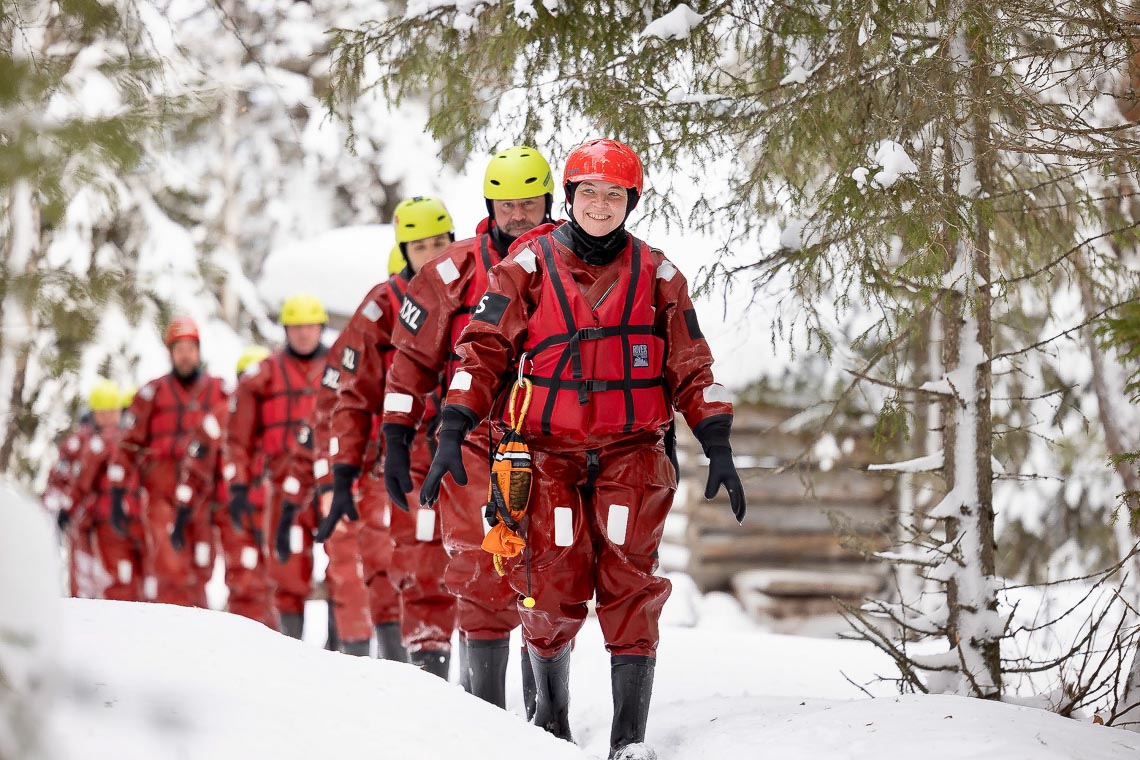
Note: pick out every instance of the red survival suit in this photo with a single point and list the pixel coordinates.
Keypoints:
(274, 398)
(611, 350)
(57, 499)
(427, 609)
(438, 306)
(159, 424)
(202, 488)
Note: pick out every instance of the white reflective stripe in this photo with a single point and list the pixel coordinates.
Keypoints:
(386, 517)
(211, 426)
(320, 468)
(461, 381)
(230, 471)
(527, 260)
(248, 557)
(296, 539)
(116, 473)
(616, 523)
(150, 587)
(291, 486)
(202, 554)
(73, 444)
(425, 525)
(563, 526)
(96, 445)
(183, 493)
(147, 393)
(334, 446)
(666, 270)
(397, 402)
(126, 571)
(447, 271)
(372, 311)
(717, 394)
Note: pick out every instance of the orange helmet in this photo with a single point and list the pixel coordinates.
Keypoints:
(181, 328)
(605, 160)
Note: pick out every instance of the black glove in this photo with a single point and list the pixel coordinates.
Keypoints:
(119, 512)
(398, 462)
(289, 511)
(240, 508)
(62, 520)
(178, 533)
(343, 503)
(713, 433)
(454, 424)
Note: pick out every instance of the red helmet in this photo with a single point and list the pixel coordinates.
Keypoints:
(607, 160)
(181, 328)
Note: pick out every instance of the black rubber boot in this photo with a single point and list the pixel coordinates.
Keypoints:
(552, 693)
(356, 648)
(434, 661)
(464, 663)
(292, 624)
(389, 646)
(487, 665)
(527, 684)
(631, 677)
(332, 640)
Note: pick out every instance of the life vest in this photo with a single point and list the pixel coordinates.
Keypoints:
(100, 508)
(290, 402)
(596, 369)
(177, 412)
(472, 294)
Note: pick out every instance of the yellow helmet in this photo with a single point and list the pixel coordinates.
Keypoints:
(517, 172)
(127, 396)
(396, 260)
(251, 355)
(104, 397)
(421, 217)
(303, 309)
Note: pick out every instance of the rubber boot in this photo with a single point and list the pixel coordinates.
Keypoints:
(631, 678)
(388, 643)
(552, 693)
(332, 640)
(464, 663)
(528, 686)
(292, 624)
(356, 648)
(434, 661)
(487, 665)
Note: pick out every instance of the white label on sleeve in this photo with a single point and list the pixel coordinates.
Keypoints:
(115, 473)
(184, 493)
(386, 516)
(230, 471)
(126, 571)
(666, 270)
(147, 393)
(334, 446)
(73, 444)
(616, 523)
(447, 271)
(296, 539)
(320, 468)
(563, 526)
(250, 371)
(96, 445)
(717, 394)
(425, 525)
(291, 486)
(211, 426)
(461, 381)
(150, 587)
(527, 260)
(372, 311)
(248, 557)
(202, 554)
(397, 402)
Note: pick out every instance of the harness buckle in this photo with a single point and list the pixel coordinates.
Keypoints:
(591, 333)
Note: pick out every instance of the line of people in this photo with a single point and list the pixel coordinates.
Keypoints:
(351, 446)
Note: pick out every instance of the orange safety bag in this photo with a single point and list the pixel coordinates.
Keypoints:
(509, 492)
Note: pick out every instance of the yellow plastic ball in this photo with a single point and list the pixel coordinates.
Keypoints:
(528, 602)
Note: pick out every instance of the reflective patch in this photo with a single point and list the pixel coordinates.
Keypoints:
(127, 421)
(412, 315)
(296, 539)
(461, 381)
(183, 493)
(147, 394)
(666, 270)
(386, 516)
(126, 571)
(96, 445)
(115, 473)
(491, 307)
(717, 394)
(425, 525)
(616, 523)
(563, 526)
(447, 271)
(252, 369)
(291, 486)
(372, 311)
(150, 587)
(350, 359)
(211, 426)
(202, 554)
(334, 446)
(230, 471)
(527, 260)
(397, 402)
(320, 468)
(331, 378)
(73, 444)
(248, 558)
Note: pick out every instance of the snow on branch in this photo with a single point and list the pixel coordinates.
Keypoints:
(677, 24)
(929, 463)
